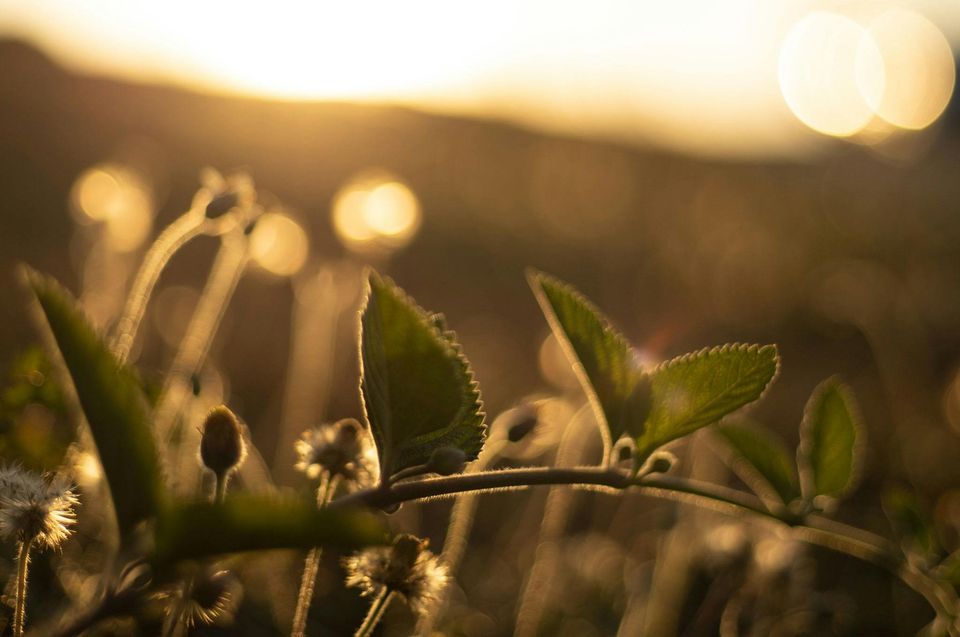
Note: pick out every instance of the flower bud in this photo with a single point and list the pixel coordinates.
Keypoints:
(222, 447)
(524, 421)
(446, 461)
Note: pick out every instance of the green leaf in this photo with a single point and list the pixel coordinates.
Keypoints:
(252, 523)
(112, 402)
(698, 389)
(762, 461)
(601, 357)
(831, 442)
(418, 389)
(911, 523)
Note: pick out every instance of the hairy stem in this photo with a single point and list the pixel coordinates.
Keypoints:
(187, 226)
(23, 564)
(311, 566)
(220, 491)
(375, 614)
(812, 529)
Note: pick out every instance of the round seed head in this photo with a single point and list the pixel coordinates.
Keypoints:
(406, 567)
(342, 448)
(36, 508)
(214, 597)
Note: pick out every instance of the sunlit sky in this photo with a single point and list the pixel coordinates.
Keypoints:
(721, 77)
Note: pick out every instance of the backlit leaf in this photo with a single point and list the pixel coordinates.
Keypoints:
(112, 402)
(602, 358)
(761, 460)
(418, 389)
(698, 389)
(831, 441)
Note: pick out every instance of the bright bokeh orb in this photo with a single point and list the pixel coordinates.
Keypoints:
(376, 212)
(118, 198)
(919, 69)
(830, 70)
(279, 244)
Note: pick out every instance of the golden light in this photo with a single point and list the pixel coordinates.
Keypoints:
(919, 68)
(117, 197)
(279, 244)
(376, 212)
(830, 70)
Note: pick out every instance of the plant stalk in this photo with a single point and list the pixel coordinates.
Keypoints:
(220, 492)
(311, 566)
(187, 226)
(375, 614)
(23, 564)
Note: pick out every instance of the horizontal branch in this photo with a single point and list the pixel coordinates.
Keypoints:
(812, 529)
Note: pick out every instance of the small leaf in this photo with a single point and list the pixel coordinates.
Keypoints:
(831, 442)
(911, 523)
(698, 389)
(601, 357)
(762, 461)
(418, 389)
(252, 523)
(112, 402)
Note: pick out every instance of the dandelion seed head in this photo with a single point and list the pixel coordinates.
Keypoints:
(214, 598)
(340, 449)
(36, 508)
(406, 567)
(211, 597)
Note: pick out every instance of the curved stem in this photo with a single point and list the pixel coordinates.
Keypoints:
(375, 614)
(23, 564)
(812, 529)
(311, 565)
(187, 226)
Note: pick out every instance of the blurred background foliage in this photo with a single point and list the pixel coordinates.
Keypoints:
(844, 250)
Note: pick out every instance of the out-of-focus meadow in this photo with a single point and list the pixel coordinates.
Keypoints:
(835, 233)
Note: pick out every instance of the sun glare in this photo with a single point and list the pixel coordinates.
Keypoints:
(705, 76)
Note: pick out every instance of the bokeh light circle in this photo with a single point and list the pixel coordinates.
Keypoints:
(120, 199)
(829, 71)
(918, 66)
(376, 212)
(278, 244)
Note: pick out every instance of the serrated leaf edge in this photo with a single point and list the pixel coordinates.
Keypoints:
(535, 279)
(432, 321)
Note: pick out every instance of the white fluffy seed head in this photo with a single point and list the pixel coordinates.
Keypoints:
(340, 449)
(406, 567)
(36, 508)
